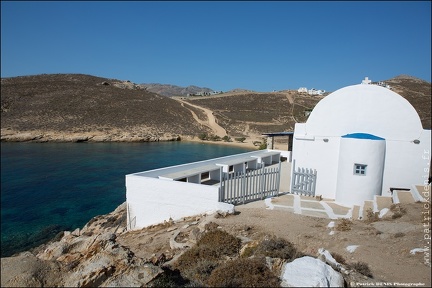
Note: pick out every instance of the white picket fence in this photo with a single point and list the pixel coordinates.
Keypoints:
(243, 187)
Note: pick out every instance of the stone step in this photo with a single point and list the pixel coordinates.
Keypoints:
(383, 202)
(403, 196)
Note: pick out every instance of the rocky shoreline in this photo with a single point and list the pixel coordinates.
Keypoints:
(85, 257)
(8, 135)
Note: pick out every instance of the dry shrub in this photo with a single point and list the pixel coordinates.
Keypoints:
(200, 272)
(210, 226)
(344, 225)
(339, 258)
(243, 272)
(192, 256)
(248, 252)
(169, 278)
(221, 242)
(371, 216)
(276, 248)
(397, 210)
(362, 268)
(197, 263)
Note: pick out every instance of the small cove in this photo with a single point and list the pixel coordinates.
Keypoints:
(50, 187)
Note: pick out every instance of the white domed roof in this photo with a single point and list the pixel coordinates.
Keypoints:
(365, 109)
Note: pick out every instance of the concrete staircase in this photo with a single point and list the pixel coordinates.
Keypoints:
(384, 202)
(328, 208)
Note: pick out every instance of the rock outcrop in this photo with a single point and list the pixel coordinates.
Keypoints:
(86, 258)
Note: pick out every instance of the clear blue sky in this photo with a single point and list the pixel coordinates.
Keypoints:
(261, 45)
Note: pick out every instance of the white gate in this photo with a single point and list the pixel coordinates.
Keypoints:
(243, 187)
(303, 180)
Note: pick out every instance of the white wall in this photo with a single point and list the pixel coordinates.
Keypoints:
(313, 152)
(151, 200)
(355, 189)
(406, 163)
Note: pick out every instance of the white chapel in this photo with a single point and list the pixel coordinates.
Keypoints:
(362, 140)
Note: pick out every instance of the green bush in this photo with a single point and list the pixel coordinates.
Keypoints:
(263, 146)
(203, 136)
(214, 138)
(240, 139)
(227, 138)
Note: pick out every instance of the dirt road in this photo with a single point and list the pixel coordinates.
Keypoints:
(211, 122)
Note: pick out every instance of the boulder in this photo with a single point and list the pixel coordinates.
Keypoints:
(310, 272)
(26, 270)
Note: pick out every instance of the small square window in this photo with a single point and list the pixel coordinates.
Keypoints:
(360, 169)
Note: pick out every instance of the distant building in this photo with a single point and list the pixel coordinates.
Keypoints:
(302, 90)
(215, 92)
(314, 91)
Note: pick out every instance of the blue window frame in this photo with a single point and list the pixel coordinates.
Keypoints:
(360, 169)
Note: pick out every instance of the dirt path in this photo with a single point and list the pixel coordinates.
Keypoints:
(289, 97)
(211, 123)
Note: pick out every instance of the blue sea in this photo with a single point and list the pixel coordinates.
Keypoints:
(47, 188)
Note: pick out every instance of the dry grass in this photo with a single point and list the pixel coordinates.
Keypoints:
(214, 261)
(243, 272)
(339, 258)
(79, 103)
(398, 211)
(344, 225)
(276, 248)
(371, 216)
(211, 249)
(362, 268)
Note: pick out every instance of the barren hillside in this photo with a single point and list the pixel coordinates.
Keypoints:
(417, 92)
(75, 103)
(76, 107)
(256, 113)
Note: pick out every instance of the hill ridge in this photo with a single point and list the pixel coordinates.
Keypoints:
(81, 107)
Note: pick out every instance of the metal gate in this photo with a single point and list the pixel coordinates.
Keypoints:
(242, 187)
(303, 180)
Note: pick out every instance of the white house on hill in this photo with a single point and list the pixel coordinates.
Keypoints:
(361, 141)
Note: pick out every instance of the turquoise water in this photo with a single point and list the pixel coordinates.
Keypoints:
(50, 187)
